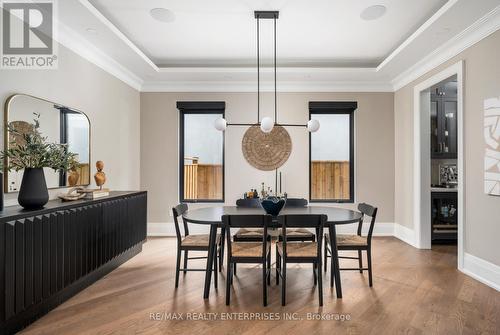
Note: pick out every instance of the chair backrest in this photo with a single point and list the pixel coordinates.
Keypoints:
(248, 203)
(367, 210)
(246, 221)
(303, 221)
(178, 211)
(296, 202)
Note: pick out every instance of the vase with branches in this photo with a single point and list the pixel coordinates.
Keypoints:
(30, 151)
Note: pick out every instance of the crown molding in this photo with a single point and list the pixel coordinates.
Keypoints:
(235, 86)
(118, 33)
(417, 33)
(73, 41)
(473, 34)
(479, 30)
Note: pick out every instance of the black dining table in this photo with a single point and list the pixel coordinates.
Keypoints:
(212, 216)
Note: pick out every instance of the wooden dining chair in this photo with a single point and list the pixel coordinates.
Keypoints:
(298, 234)
(189, 242)
(300, 252)
(248, 203)
(356, 242)
(248, 234)
(248, 252)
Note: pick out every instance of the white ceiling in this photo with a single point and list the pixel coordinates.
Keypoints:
(310, 33)
(323, 45)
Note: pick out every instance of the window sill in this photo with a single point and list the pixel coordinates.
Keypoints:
(201, 201)
(331, 201)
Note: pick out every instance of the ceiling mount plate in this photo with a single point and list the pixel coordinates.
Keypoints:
(263, 14)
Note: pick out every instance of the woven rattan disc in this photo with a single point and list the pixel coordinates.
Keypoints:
(266, 151)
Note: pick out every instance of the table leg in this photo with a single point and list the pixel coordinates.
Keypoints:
(210, 260)
(335, 256)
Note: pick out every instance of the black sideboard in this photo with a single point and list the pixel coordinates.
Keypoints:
(49, 255)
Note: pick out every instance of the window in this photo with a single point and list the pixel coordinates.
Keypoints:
(74, 130)
(331, 152)
(201, 152)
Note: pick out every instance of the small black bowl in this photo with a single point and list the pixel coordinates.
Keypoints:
(273, 205)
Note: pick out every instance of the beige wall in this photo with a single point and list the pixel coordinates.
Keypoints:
(374, 141)
(111, 105)
(482, 80)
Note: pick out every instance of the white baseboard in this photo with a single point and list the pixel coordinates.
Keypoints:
(168, 229)
(405, 234)
(481, 270)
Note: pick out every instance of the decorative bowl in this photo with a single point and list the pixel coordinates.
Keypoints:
(273, 205)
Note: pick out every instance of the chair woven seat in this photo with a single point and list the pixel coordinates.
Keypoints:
(297, 232)
(299, 249)
(249, 233)
(197, 240)
(349, 240)
(248, 249)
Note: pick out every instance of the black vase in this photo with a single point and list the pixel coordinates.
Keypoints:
(33, 193)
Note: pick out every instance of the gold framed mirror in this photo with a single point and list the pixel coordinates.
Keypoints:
(59, 124)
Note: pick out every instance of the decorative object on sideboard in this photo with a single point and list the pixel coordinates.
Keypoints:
(73, 173)
(273, 205)
(90, 194)
(492, 151)
(100, 176)
(72, 194)
(266, 151)
(31, 153)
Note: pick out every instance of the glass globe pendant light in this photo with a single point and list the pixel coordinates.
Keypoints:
(220, 124)
(267, 124)
(313, 125)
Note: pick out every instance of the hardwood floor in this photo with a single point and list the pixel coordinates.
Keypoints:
(414, 292)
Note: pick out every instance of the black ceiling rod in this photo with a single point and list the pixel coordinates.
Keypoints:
(275, 89)
(266, 14)
(258, 70)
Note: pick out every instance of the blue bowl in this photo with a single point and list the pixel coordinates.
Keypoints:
(273, 205)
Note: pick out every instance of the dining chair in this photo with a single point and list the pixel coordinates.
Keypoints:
(298, 234)
(248, 203)
(248, 234)
(248, 252)
(189, 242)
(356, 242)
(300, 252)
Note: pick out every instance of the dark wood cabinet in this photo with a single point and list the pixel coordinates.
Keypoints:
(444, 216)
(444, 120)
(51, 254)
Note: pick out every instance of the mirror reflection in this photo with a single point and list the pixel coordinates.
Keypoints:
(58, 124)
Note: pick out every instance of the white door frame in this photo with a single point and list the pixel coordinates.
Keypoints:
(422, 159)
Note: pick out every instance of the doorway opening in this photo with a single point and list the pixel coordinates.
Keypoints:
(438, 160)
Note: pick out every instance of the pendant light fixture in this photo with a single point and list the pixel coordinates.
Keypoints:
(267, 123)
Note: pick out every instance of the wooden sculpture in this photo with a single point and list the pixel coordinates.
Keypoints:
(100, 176)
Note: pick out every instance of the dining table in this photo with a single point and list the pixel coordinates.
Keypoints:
(212, 216)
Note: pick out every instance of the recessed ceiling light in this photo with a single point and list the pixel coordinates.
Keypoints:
(373, 12)
(162, 14)
(91, 31)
